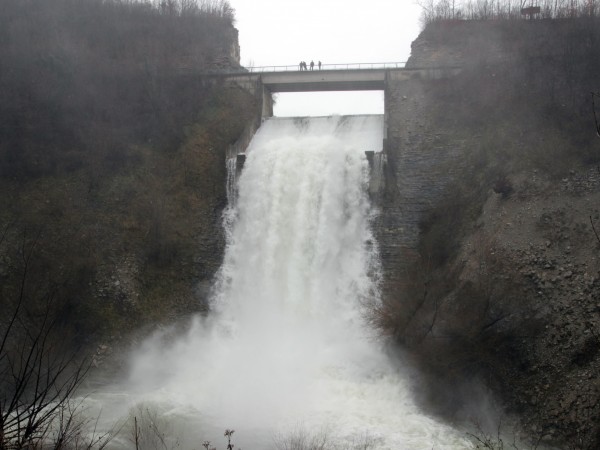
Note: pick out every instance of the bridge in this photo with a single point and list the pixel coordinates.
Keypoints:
(329, 77)
(267, 80)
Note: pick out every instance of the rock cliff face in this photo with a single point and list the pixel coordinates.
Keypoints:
(547, 246)
(456, 43)
(486, 226)
(471, 42)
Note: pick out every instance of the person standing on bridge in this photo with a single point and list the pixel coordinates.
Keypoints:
(312, 65)
(300, 65)
(319, 65)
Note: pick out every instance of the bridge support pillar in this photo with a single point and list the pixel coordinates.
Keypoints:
(240, 160)
(267, 103)
(377, 162)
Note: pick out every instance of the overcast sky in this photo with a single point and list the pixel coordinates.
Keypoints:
(284, 32)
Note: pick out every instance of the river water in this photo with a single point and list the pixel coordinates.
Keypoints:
(285, 349)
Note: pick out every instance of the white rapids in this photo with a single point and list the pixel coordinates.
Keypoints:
(285, 345)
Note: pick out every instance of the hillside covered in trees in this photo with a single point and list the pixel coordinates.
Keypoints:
(112, 183)
(112, 145)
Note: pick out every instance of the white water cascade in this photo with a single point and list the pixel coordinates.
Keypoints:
(286, 344)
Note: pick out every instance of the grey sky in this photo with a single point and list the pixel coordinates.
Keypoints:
(284, 32)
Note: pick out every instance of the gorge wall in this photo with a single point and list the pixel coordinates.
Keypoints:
(112, 160)
(490, 258)
(113, 176)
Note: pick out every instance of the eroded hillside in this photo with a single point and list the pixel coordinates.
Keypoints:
(501, 283)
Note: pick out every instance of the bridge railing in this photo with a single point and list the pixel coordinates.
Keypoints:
(296, 68)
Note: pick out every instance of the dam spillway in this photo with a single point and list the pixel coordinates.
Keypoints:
(286, 344)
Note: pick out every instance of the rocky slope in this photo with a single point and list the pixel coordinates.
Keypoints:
(544, 233)
(496, 282)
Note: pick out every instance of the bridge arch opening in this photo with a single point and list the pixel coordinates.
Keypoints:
(300, 104)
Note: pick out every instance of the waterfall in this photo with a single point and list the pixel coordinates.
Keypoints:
(286, 344)
(231, 187)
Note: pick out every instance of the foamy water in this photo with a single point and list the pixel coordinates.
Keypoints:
(286, 344)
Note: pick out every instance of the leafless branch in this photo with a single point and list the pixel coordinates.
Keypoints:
(596, 123)
(594, 228)
(38, 379)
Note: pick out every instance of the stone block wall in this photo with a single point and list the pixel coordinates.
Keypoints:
(416, 172)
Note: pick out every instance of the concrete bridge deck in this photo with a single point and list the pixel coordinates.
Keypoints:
(325, 80)
(264, 81)
(331, 77)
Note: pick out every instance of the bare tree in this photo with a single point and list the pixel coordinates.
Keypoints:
(596, 121)
(37, 378)
(436, 10)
